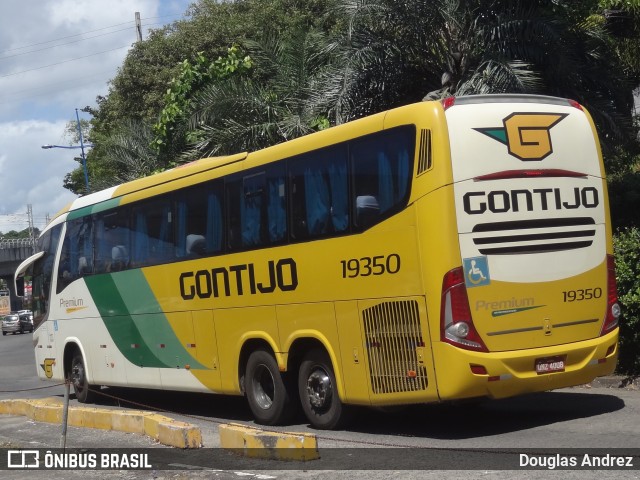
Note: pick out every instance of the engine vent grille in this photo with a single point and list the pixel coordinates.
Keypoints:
(392, 334)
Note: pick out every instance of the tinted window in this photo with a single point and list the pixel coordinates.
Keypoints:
(382, 170)
(152, 233)
(199, 220)
(319, 193)
(112, 246)
(257, 212)
(76, 257)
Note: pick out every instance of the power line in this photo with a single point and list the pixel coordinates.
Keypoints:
(64, 61)
(68, 36)
(64, 44)
(131, 22)
(58, 87)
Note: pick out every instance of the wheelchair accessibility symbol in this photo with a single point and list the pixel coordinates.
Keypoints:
(476, 271)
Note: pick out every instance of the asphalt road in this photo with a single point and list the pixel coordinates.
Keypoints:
(589, 417)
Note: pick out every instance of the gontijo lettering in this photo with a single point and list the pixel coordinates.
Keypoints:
(281, 275)
(501, 201)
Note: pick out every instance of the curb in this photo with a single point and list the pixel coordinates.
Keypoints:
(615, 381)
(164, 430)
(251, 442)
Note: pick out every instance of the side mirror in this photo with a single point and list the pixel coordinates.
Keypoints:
(20, 286)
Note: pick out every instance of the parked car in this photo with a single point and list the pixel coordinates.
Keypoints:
(26, 321)
(14, 323)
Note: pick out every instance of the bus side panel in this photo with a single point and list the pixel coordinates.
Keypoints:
(353, 358)
(206, 349)
(439, 250)
(237, 326)
(312, 320)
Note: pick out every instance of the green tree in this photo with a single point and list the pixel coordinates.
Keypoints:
(627, 256)
(137, 92)
(171, 132)
(237, 113)
(400, 52)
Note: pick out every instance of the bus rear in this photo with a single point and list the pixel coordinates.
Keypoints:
(533, 305)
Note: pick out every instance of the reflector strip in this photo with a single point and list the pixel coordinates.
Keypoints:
(550, 172)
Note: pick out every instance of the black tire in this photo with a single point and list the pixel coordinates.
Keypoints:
(318, 392)
(78, 377)
(4, 333)
(267, 392)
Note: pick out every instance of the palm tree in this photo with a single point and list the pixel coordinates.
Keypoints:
(400, 52)
(278, 103)
(129, 155)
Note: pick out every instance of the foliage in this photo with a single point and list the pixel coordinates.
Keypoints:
(13, 234)
(624, 190)
(285, 102)
(405, 51)
(178, 102)
(137, 92)
(627, 256)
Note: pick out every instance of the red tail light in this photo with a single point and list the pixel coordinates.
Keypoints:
(448, 102)
(613, 307)
(456, 325)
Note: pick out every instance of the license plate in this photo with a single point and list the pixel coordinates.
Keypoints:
(550, 364)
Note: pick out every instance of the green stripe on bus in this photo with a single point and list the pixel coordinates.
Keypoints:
(98, 207)
(145, 339)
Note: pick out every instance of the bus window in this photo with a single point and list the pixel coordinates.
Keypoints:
(199, 220)
(319, 192)
(257, 208)
(42, 273)
(112, 241)
(76, 258)
(381, 171)
(152, 236)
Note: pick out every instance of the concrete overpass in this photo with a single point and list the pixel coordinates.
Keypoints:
(12, 253)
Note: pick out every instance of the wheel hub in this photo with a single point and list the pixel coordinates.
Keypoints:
(319, 388)
(77, 375)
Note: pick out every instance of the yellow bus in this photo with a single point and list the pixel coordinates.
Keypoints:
(439, 251)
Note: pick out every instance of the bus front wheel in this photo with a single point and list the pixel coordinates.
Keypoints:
(78, 378)
(267, 392)
(318, 392)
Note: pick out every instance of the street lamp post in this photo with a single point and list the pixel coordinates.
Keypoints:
(81, 147)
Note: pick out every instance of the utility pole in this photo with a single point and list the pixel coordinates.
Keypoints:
(31, 236)
(138, 27)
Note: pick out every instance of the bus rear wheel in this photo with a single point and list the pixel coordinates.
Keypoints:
(267, 393)
(318, 392)
(77, 375)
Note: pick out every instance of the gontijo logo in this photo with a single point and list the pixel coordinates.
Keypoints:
(526, 135)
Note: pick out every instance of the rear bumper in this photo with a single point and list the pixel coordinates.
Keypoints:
(513, 373)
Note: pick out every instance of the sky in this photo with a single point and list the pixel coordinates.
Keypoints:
(56, 56)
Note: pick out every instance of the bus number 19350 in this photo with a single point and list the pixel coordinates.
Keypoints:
(366, 266)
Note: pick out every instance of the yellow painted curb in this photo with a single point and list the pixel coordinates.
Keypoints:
(256, 443)
(162, 429)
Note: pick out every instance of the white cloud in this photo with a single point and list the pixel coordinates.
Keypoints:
(56, 56)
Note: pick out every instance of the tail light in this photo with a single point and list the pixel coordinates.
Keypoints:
(456, 325)
(448, 102)
(613, 307)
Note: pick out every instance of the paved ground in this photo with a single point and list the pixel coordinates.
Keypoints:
(17, 432)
